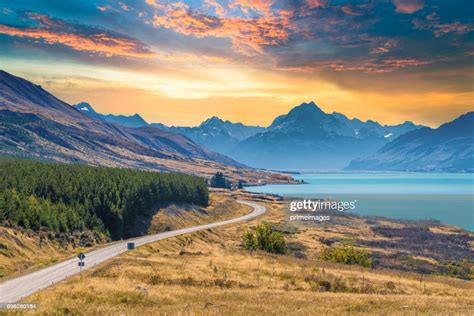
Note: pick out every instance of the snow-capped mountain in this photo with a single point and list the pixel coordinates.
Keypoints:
(129, 121)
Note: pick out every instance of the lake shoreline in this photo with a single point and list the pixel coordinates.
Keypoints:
(446, 198)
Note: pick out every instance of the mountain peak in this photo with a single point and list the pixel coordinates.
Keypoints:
(408, 123)
(212, 121)
(84, 107)
(310, 106)
(305, 109)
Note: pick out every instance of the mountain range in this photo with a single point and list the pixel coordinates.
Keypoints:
(130, 121)
(307, 138)
(448, 148)
(217, 134)
(285, 143)
(34, 123)
(214, 133)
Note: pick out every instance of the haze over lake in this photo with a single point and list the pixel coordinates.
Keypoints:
(414, 196)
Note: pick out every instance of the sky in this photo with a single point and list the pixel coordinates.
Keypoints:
(180, 62)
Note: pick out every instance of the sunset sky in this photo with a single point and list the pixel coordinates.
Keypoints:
(247, 60)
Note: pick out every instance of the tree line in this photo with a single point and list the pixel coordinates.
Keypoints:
(71, 197)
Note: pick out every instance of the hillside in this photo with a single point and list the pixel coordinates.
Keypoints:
(34, 123)
(448, 148)
(67, 198)
(24, 250)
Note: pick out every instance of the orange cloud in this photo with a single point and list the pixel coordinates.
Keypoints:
(101, 43)
(383, 66)
(372, 66)
(385, 47)
(53, 31)
(316, 3)
(408, 6)
(263, 7)
(97, 43)
(248, 35)
(220, 11)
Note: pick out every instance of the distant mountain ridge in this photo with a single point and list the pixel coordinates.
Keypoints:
(306, 122)
(448, 148)
(364, 129)
(130, 121)
(307, 138)
(214, 133)
(217, 134)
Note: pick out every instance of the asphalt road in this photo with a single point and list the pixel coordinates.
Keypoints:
(14, 290)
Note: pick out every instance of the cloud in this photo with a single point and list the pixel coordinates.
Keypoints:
(408, 6)
(248, 35)
(354, 10)
(218, 8)
(94, 41)
(317, 3)
(369, 66)
(379, 66)
(263, 7)
(385, 46)
(456, 27)
(439, 29)
(78, 37)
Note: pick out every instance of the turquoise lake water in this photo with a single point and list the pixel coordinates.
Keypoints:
(448, 198)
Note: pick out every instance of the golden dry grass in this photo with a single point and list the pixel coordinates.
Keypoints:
(24, 251)
(209, 273)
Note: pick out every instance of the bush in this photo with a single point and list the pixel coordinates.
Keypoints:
(264, 238)
(249, 241)
(348, 255)
(460, 269)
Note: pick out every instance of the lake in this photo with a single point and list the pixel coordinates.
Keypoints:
(448, 198)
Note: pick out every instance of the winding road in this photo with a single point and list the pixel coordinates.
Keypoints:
(14, 290)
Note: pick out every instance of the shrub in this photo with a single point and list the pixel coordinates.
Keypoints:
(249, 242)
(348, 255)
(460, 269)
(390, 285)
(264, 238)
